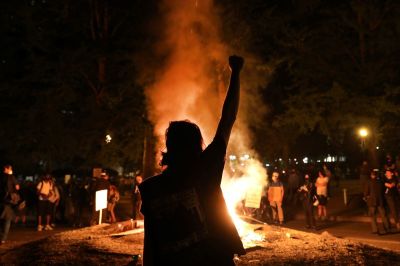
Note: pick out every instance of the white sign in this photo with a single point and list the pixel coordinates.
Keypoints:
(101, 199)
(253, 197)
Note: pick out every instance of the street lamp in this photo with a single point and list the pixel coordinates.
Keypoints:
(363, 133)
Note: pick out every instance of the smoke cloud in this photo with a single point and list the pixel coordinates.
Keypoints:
(191, 80)
(187, 85)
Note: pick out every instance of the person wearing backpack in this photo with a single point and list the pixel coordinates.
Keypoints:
(45, 191)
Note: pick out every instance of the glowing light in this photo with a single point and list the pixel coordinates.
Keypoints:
(305, 160)
(245, 157)
(108, 138)
(377, 147)
(232, 157)
(363, 132)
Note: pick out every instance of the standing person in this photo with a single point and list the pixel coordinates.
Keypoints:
(113, 198)
(54, 200)
(44, 190)
(68, 199)
(307, 196)
(275, 198)
(136, 199)
(80, 200)
(321, 184)
(185, 215)
(397, 163)
(8, 200)
(373, 195)
(20, 209)
(389, 163)
(331, 177)
(101, 183)
(392, 196)
(265, 214)
(293, 186)
(365, 170)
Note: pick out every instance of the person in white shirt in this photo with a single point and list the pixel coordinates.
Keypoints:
(322, 194)
(45, 191)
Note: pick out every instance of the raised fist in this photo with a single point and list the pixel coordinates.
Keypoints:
(236, 62)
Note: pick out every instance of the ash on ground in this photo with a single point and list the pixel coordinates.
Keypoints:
(98, 245)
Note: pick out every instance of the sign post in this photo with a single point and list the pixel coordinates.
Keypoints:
(101, 202)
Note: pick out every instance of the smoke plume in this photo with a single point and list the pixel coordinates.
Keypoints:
(191, 79)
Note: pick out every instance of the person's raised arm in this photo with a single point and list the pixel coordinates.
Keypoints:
(231, 103)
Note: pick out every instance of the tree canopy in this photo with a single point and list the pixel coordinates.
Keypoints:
(337, 70)
(68, 80)
(70, 74)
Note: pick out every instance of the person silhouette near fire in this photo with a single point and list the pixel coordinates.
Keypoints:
(185, 215)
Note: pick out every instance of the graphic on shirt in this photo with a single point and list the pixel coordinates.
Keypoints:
(182, 210)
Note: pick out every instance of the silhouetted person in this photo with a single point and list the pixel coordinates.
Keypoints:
(308, 195)
(185, 215)
(373, 195)
(136, 198)
(292, 186)
(8, 188)
(392, 197)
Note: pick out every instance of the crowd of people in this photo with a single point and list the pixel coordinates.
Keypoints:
(281, 197)
(312, 190)
(70, 201)
(382, 195)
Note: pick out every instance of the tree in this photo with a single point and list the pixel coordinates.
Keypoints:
(336, 64)
(71, 81)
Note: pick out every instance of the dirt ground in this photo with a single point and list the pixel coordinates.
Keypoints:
(277, 246)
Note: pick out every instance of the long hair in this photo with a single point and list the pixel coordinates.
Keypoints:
(184, 143)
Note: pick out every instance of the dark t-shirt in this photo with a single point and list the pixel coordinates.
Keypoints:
(7, 186)
(186, 219)
(373, 192)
